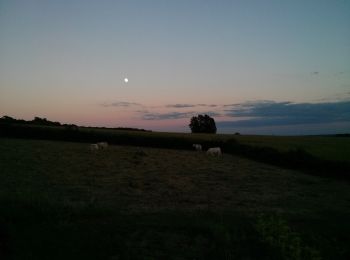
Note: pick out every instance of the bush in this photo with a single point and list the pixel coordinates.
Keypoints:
(275, 232)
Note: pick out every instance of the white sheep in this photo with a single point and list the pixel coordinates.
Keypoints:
(198, 147)
(215, 151)
(102, 145)
(93, 147)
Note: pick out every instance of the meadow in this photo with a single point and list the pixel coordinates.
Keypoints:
(317, 155)
(59, 200)
(325, 147)
(335, 148)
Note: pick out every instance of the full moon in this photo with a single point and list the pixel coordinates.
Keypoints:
(126, 80)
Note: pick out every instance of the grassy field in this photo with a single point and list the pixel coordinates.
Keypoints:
(329, 148)
(325, 147)
(58, 200)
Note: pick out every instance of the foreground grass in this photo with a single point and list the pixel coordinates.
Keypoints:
(60, 200)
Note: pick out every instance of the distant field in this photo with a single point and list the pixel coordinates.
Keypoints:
(325, 147)
(62, 200)
(330, 148)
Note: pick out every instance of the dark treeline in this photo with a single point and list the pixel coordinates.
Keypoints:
(116, 128)
(44, 122)
(297, 159)
(92, 135)
(342, 135)
(35, 121)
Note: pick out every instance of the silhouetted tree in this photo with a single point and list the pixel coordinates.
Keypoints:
(44, 121)
(8, 119)
(202, 124)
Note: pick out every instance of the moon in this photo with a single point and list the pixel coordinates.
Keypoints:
(126, 80)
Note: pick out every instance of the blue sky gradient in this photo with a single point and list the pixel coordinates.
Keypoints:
(63, 59)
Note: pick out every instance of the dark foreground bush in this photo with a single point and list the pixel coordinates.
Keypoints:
(52, 231)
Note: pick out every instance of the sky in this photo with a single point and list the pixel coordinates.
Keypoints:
(257, 67)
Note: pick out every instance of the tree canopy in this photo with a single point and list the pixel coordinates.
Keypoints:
(202, 124)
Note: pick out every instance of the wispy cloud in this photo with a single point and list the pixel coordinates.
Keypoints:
(206, 105)
(129, 104)
(175, 115)
(211, 113)
(190, 105)
(120, 104)
(165, 116)
(270, 113)
(180, 105)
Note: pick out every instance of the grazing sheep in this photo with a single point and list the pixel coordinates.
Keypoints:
(93, 147)
(215, 151)
(198, 147)
(102, 145)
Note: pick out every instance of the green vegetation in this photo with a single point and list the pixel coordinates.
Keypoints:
(59, 200)
(308, 156)
(336, 148)
(325, 147)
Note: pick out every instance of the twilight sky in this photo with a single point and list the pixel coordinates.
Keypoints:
(257, 67)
